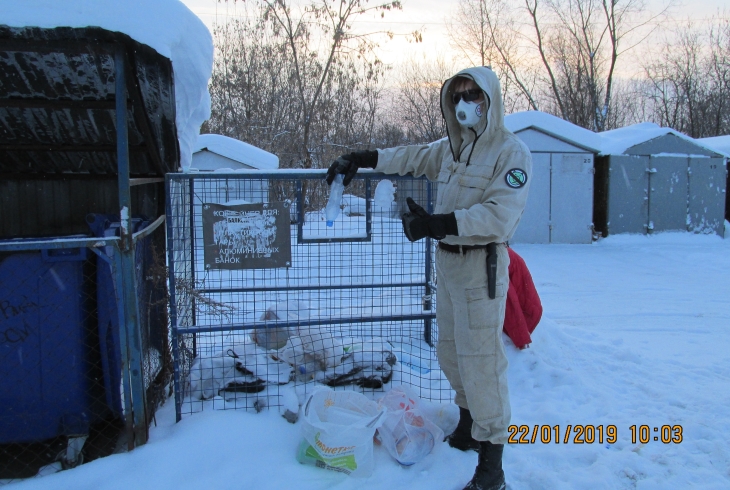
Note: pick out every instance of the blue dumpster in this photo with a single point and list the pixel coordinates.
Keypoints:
(47, 355)
(60, 353)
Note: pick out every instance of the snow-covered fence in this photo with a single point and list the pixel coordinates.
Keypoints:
(267, 301)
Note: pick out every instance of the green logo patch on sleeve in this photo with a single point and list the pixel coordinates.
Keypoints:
(516, 178)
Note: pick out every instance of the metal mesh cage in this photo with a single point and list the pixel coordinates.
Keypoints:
(350, 306)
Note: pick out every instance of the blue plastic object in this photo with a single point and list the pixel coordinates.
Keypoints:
(60, 356)
(47, 386)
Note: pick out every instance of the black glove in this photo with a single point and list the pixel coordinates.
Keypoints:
(349, 163)
(419, 224)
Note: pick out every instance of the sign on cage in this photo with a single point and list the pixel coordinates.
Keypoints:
(246, 236)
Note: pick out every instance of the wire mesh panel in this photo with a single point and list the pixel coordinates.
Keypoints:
(349, 305)
(63, 398)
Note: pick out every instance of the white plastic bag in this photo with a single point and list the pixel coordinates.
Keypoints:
(338, 429)
(407, 433)
(276, 337)
(240, 364)
(311, 351)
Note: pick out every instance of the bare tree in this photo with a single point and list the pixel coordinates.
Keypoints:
(581, 50)
(315, 67)
(249, 86)
(299, 82)
(629, 104)
(557, 55)
(688, 81)
(720, 64)
(417, 101)
(487, 33)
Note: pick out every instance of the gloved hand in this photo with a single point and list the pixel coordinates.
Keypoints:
(419, 224)
(348, 164)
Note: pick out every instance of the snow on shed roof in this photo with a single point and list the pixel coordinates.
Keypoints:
(720, 144)
(617, 141)
(237, 150)
(167, 26)
(554, 126)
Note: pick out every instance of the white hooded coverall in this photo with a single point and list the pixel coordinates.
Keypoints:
(475, 169)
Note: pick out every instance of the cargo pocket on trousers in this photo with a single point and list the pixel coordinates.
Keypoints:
(483, 312)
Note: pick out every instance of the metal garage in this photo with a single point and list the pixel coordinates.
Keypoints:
(560, 205)
(652, 179)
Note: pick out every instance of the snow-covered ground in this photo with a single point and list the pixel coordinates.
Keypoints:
(635, 332)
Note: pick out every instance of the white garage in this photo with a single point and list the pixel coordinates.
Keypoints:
(560, 205)
(651, 179)
(215, 153)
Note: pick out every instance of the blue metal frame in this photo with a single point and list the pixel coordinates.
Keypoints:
(310, 288)
(368, 221)
(56, 243)
(126, 270)
(428, 294)
(191, 183)
(173, 300)
(303, 323)
(115, 263)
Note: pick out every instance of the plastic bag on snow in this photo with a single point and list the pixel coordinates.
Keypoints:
(407, 433)
(338, 430)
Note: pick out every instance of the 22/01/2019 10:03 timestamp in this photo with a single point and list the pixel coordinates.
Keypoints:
(589, 434)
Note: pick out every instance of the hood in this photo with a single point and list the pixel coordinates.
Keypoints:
(487, 80)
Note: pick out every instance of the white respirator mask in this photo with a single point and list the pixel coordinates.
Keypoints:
(469, 113)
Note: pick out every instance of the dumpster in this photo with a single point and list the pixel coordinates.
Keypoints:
(60, 349)
(49, 366)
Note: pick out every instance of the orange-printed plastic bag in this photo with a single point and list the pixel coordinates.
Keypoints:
(407, 434)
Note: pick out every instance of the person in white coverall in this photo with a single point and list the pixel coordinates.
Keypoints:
(483, 171)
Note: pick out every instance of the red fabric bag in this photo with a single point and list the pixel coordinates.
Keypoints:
(524, 308)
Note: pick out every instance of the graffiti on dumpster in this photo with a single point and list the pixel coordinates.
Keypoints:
(246, 236)
(12, 309)
(15, 335)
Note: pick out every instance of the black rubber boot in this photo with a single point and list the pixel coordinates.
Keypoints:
(461, 438)
(489, 474)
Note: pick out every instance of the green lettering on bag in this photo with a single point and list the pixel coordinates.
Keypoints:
(336, 462)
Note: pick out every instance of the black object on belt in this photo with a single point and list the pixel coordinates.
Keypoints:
(491, 261)
(460, 249)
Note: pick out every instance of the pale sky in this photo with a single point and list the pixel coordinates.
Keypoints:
(430, 17)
